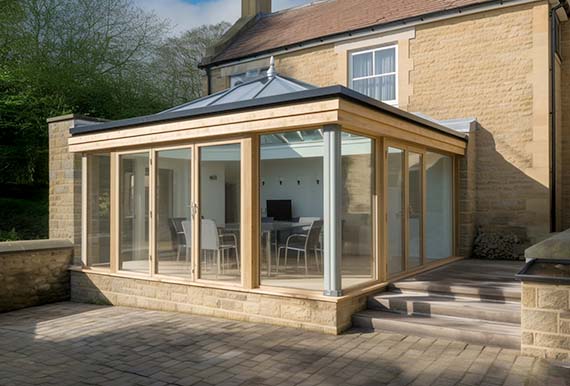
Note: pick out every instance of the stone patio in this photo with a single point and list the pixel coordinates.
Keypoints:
(79, 344)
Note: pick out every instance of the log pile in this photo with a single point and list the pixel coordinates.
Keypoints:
(498, 246)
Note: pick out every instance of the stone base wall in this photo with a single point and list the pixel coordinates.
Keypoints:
(34, 272)
(546, 321)
(253, 306)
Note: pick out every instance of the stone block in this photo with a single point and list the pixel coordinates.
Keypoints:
(555, 298)
(538, 320)
(552, 341)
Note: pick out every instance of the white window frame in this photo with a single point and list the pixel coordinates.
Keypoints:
(393, 102)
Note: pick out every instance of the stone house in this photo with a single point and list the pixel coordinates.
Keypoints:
(488, 60)
(342, 145)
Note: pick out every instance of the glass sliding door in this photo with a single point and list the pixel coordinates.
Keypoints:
(98, 210)
(291, 208)
(415, 210)
(173, 212)
(220, 211)
(357, 209)
(134, 212)
(439, 206)
(395, 209)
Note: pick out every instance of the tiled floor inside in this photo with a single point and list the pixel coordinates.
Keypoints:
(78, 344)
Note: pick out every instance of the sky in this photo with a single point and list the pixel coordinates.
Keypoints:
(186, 14)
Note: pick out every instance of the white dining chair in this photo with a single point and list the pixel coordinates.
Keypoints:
(218, 244)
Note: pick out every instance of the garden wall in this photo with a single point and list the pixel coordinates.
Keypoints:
(34, 272)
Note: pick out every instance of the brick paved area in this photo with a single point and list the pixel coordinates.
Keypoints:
(77, 344)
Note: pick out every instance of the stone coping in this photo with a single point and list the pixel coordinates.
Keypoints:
(555, 247)
(34, 245)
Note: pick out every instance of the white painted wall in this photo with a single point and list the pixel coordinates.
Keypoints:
(306, 197)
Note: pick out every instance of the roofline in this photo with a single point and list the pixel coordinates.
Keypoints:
(300, 96)
(370, 30)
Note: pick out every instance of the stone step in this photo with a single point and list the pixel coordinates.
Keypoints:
(445, 305)
(484, 290)
(474, 331)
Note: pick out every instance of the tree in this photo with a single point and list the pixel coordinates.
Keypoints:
(176, 63)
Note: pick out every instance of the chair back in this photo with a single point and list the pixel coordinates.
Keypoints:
(307, 220)
(314, 235)
(209, 235)
(187, 230)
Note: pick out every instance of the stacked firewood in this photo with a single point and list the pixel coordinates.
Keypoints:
(498, 246)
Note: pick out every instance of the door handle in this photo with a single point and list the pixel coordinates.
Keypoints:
(194, 209)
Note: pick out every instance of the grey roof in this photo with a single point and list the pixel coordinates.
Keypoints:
(269, 90)
(270, 85)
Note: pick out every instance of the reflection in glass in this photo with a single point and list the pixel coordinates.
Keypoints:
(395, 208)
(173, 213)
(291, 188)
(439, 206)
(134, 212)
(98, 210)
(357, 194)
(414, 209)
(220, 213)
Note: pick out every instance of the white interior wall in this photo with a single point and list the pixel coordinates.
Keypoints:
(306, 196)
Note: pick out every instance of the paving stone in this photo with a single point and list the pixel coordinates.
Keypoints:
(77, 344)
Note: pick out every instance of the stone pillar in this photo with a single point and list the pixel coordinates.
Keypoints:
(332, 191)
(65, 182)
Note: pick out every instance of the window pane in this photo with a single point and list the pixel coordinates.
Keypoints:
(98, 210)
(362, 65)
(220, 213)
(439, 206)
(365, 86)
(291, 188)
(134, 211)
(173, 213)
(395, 210)
(387, 87)
(382, 88)
(385, 61)
(358, 188)
(415, 210)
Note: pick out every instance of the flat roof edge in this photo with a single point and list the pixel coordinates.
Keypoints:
(300, 96)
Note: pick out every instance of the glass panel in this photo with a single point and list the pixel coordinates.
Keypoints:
(439, 206)
(291, 188)
(395, 165)
(98, 210)
(357, 188)
(173, 213)
(361, 65)
(220, 213)
(134, 211)
(414, 209)
(385, 61)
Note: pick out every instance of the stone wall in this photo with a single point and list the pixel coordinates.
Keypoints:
(34, 272)
(316, 66)
(494, 66)
(326, 315)
(65, 182)
(546, 321)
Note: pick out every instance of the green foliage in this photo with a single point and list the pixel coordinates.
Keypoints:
(103, 58)
(25, 213)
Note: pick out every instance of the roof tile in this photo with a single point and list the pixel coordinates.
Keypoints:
(329, 17)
